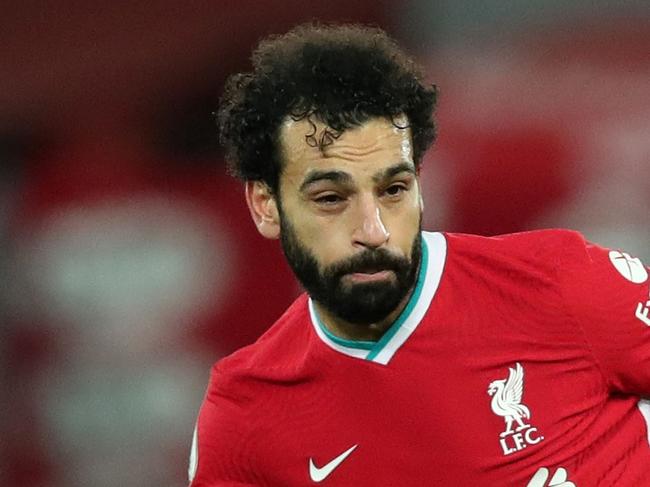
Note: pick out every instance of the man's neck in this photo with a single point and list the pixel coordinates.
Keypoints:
(351, 331)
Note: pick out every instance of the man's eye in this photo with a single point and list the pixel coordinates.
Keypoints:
(329, 199)
(395, 190)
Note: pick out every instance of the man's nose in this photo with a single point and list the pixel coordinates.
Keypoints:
(370, 230)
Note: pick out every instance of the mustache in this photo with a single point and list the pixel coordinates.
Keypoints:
(368, 261)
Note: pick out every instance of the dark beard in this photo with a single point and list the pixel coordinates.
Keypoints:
(360, 303)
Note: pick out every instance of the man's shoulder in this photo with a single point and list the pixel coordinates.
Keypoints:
(529, 243)
(534, 256)
(280, 349)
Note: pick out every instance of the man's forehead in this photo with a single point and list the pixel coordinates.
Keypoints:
(310, 139)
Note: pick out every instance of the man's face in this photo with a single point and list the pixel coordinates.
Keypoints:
(350, 217)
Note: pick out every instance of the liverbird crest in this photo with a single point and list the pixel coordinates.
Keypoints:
(506, 399)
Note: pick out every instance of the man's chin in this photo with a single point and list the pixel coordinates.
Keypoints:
(365, 308)
(365, 317)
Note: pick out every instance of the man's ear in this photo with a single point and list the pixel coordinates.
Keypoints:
(264, 209)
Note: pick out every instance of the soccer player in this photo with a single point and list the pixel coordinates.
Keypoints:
(413, 358)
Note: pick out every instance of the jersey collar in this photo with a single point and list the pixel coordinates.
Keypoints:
(434, 252)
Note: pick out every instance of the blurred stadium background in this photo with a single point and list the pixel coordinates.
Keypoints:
(128, 263)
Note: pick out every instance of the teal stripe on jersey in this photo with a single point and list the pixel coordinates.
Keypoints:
(360, 344)
(406, 312)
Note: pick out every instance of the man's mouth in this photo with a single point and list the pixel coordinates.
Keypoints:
(370, 276)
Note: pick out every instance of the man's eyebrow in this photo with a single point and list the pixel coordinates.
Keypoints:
(394, 170)
(334, 176)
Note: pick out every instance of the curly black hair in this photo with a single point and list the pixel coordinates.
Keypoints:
(343, 75)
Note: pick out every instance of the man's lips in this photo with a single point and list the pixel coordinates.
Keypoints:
(370, 276)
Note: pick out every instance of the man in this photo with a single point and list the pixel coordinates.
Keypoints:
(414, 358)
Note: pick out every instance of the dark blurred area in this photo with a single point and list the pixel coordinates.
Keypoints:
(129, 263)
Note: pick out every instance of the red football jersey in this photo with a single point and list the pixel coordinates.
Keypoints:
(520, 360)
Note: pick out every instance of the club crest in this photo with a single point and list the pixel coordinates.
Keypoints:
(507, 402)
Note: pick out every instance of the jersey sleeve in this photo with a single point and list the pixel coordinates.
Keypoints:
(608, 294)
(222, 452)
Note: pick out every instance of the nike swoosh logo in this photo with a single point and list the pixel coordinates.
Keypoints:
(320, 474)
(559, 479)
